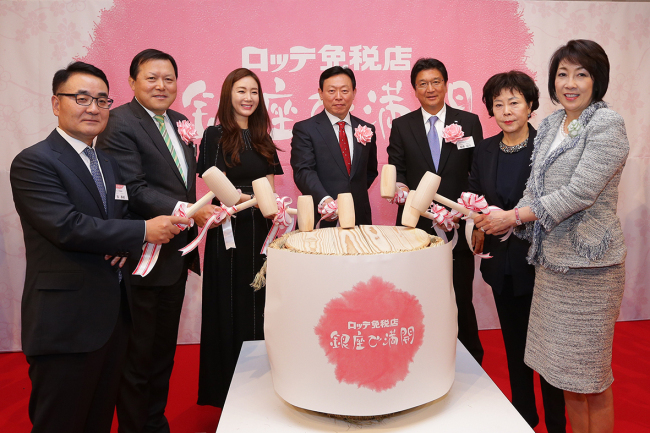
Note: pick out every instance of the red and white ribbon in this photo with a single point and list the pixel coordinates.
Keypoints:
(282, 223)
(151, 251)
(444, 223)
(400, 197)
(219, 214)
(327, 210)
(477, 203)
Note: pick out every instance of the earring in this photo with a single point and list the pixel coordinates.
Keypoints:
(529, 114)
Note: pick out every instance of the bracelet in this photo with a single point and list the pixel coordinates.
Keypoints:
(517, 219)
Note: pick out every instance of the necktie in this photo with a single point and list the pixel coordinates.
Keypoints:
(345, 147)
(163, 130)
(97, 177)
(434, 143)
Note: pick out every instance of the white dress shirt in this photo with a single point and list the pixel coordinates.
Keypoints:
(348, 130)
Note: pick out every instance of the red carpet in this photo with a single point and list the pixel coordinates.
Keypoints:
(631, 365)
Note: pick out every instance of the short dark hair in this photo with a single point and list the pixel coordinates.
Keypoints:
(336, 70)
(590, 56)
(425, 63)
(145, 56)
(63, 75)
(513, 80)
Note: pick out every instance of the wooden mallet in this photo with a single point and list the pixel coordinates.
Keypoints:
(345, 210)
(304, 213)
(388, 181)
(227, 194)
(426, 194)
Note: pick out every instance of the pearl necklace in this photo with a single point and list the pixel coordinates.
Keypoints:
(564, 134)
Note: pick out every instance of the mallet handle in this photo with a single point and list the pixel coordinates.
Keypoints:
(199, 204)
(452, 204)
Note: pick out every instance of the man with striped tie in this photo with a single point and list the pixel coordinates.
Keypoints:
(159, 171)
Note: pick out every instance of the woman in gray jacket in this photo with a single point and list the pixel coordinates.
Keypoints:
(568, 213)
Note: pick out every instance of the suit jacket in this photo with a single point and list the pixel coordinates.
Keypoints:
(153, 182)
(71, 298)
(319, 169)
(574, 192)
(408, 150)
(483, 181)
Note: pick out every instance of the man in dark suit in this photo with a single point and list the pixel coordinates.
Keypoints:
(159, 170)
(75, 313)
(416, 145)
(326, 157)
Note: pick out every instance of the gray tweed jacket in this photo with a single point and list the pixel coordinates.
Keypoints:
(574, 192)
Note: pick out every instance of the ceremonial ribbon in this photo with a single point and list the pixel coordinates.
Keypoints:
(400, 197)
(282, 223)
(327, 210)
(219, 214)
(151, 251)
(444, 219)
(478, 204)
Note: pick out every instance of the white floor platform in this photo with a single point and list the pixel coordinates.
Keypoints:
(474, 404)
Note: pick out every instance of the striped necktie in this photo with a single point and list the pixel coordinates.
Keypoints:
(163, 130)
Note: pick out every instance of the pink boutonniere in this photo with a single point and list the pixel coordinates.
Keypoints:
(363, 134)
(453, 133)
(187, 132)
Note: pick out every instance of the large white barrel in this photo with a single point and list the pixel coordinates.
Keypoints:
(366, 327)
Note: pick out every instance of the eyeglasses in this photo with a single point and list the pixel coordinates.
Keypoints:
(424, 85)
(86, 100)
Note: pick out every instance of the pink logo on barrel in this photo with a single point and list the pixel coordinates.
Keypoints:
(371, 334)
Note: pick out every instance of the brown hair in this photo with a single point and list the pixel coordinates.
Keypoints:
(259, 123)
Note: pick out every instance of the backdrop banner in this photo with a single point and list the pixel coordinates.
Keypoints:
(288, 44)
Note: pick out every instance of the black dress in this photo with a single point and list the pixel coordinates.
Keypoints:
(232, 311)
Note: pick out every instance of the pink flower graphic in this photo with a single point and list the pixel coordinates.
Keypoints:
(68, 33)
(453, 133)
(22, 35)
(36, 23)
(640, 27)
(5, 78)
(363, 134)
(57, 8)
(187, 131)
(76, 5)
(604, 32)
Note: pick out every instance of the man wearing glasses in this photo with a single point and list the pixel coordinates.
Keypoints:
(416, 145)
(75, 316)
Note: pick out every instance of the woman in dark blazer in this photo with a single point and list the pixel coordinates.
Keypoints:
(500, 169)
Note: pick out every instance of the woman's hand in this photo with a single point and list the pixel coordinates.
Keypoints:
(496, 222)
(478, 237)
(203, 215)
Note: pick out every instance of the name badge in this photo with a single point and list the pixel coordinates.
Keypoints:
(465, 143)
(120, 192)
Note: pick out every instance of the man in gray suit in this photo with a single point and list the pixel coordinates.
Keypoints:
(159, 170)
(75, 313)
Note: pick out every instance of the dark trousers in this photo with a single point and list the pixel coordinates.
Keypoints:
(513, 314)
(463, 277)
(76, 392)
(142, 399)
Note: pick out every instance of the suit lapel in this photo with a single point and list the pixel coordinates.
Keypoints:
(447, 148)
(326, 130)
(358, 147)
(420, 135)
(150, 127)
(491, 163)
(71, 159)
(188, 151)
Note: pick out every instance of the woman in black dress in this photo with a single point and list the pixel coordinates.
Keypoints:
(500, 169)
(240, 146)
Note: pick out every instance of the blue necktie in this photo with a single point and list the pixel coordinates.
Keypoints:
(97, 177)
(434, 143)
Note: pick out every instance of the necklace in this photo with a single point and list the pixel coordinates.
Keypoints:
(512, 149)
(563, 125)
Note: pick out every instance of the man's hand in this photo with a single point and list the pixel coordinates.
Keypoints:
(121, 259)
(161, 229)
(204, 214)
(333, 216)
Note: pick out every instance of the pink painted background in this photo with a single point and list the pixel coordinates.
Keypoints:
(474, 39)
